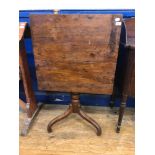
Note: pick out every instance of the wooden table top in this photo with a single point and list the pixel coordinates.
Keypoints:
(76, 53)
(22, 26)
(130, 32)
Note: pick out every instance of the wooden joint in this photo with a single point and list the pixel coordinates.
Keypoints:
(75, 103)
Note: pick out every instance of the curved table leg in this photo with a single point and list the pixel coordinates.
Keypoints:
(58, 118)
(91, 121)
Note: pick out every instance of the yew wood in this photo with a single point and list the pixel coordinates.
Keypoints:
(76, 54)
(74, 107)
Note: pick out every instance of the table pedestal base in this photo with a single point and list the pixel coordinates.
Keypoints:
(74, 107)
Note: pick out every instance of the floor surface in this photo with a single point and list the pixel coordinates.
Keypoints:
(74, 136)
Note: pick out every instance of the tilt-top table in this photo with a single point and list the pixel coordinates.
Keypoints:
(75, 54)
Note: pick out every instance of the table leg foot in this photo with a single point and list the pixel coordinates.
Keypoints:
(121, 113)
(118, 129)
(58, 118)
(91, 121)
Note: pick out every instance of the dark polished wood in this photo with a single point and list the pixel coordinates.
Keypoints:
(129, 74)
(30, 98)
(76, 54)
(30, 106)
(74, 107)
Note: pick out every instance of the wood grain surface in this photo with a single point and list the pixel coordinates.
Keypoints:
(75, 53)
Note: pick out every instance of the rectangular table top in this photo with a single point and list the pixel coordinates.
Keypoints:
(76, 53)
